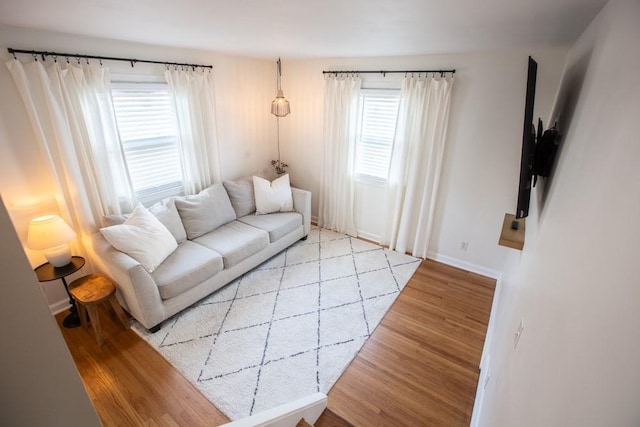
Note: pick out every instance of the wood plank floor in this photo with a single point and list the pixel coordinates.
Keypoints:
(419, 368)
(420, 365)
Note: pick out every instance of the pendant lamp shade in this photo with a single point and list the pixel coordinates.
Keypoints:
(280, 106)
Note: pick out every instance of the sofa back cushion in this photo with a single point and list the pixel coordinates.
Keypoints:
(167, 214)
(241, 195)
(205, 211)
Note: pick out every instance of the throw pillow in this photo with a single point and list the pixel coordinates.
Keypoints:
(272, 196)
(241, 195)
(143, 238)
(167, 214)
(205, 211)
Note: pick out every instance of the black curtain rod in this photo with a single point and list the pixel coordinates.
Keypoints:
(77, 56)
(442, 72)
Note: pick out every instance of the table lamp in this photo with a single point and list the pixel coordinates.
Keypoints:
(51, 234)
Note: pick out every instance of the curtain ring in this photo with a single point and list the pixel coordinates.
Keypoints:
(35, 57)
(14, 55)
(55, 58)
(100, 61)
(67, 58)
(78, 59)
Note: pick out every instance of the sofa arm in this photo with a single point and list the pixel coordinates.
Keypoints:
(135, 285)
(302, 204)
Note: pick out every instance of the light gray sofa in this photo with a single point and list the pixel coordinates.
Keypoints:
(219, 238)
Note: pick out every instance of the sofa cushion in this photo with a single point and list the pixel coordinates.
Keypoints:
(276, 224)
(142, 237)
(167, 214)
(113, 219)
(272, 196)
(205, 211)
(235, 241)
(241, 195)
(186, 267)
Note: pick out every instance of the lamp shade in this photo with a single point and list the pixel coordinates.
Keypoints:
(48, 231)
(280, 105)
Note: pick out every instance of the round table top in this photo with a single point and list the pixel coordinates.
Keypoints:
(92, 288)
(47, 272)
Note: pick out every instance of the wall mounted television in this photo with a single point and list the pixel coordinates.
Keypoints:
(528, 145)
(538, 148)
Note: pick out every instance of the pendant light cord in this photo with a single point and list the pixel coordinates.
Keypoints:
(278, 131)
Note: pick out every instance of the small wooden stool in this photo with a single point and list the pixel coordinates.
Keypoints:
(91, 290)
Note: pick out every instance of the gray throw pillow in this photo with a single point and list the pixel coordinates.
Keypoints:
(166, 212)
(241, 195)
(205, 211)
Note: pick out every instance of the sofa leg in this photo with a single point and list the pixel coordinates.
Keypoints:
(155, 328)
(305, 237)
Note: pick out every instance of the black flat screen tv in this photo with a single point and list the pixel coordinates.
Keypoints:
(528, 144)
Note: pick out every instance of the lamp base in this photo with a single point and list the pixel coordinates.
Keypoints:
(58, 256)
(72, 320)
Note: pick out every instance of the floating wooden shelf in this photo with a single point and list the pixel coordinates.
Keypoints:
(509, 237)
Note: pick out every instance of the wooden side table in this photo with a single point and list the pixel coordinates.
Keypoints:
(47, 272)
(91, 290)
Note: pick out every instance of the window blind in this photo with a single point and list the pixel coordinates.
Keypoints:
(147, 125)
(378, 116)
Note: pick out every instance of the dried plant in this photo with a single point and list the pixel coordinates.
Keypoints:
(279, 166)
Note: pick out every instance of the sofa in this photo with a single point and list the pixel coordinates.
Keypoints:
(216, 236)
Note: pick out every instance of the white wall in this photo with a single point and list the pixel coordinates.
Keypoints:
(32, 393)
(576, 281)
(246, 129)
(482, 157)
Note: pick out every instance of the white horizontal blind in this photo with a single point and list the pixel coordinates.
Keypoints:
(147, 125)
(377, 125)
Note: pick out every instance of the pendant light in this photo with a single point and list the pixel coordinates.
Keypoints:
(280, 105)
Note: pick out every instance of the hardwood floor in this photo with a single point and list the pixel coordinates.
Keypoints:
(130, 384)
(419, 368)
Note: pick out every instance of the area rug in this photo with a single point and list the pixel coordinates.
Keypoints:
(288, 328)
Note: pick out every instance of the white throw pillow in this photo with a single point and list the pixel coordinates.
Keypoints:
(272, 196)
(143, 237)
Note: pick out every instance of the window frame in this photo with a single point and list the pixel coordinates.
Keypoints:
(392, 92)
(150, 195)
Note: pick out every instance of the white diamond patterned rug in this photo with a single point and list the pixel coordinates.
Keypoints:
(288, 328)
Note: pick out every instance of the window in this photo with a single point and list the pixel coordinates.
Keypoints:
(377, 116)
(147, 125)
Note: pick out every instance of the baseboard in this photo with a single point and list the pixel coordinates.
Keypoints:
(374, 238)
(59, 306)
(485, 361)
(474, 268)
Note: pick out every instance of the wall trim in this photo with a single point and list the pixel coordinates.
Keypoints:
(59, 306)
(485, 360)
(455, 262)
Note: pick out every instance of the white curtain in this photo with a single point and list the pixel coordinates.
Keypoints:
(416, 163)
(193, 97)
(337, 186)
(72, 117)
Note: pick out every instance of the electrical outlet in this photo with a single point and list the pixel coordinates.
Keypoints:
(518, 334)
(464, 246)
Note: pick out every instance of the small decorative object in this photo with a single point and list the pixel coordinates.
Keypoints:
(51, 234)
(279, 166)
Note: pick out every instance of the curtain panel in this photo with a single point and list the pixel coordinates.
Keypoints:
(194, 99)
(337, 188)
(72, 117)
(416, 163)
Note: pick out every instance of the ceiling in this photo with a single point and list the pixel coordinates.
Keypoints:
(314, 28)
